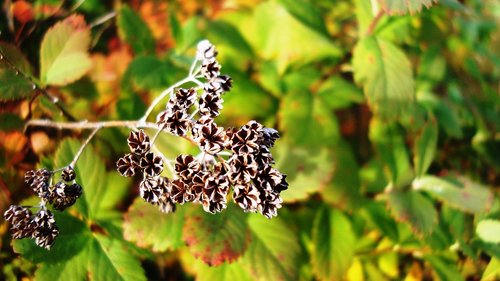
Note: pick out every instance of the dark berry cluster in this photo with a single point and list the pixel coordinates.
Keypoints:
(231, 159)
(42, 226)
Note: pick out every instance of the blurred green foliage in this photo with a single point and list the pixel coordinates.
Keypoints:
(388, 112)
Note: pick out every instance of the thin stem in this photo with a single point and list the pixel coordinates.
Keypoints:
(83, 125)
(191, 69)
(373, 23)
(163, 94)
(80, 151)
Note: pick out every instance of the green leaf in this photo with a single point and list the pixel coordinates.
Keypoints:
(468, 197)
(492, 271)
(149, 73)
(338, 93)
(218, 238)
(391, 148)
(146, 226)
(393, 7)
(425, 147)
(307, 120)
(276, 35)
(307, 13)
(488, 230)
(72, 238)
(223, 272)
(13, 85)
(79, 254)
(63, 55)
(385, 73)
(444, 267)
(91, 174)
(308, 169)
(334, 243)
(12, 56)
(227, 33)
(274, 252)
(344, 188)
(133, 30)
(414, 208)
(379, 216)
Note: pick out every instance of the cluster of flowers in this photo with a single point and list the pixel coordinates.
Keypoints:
(42, 225)
(208, 178)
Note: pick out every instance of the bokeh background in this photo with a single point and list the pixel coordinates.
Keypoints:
(388, 112)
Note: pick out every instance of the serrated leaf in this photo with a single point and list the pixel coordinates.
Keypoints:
(386, 75)
(226, 32)
(344, 189)
(12, 55)
(469, 197)
(492, 271)
(391, 148)
(218, 238)
(445, 268)
(308, 169)
(393, 7)
(146, 226)
(224, 272)
(72, 238)
(414, 208)
(334, 244)
(274, 252)
(13, 85)
(79, 254)
(133, 30)
(380, 217)
(63, 54)
(425, 147)
(488, 230)
(90, 174)
(307, 120)
(307, 13)
(276, 35)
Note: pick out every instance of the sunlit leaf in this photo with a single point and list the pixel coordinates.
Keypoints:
(445, 268)
(488, 230)
(63, 54)
(402, 7)
(308, 170)
(466, 196)
(274, 251)
(425, 147)
(492, 271)
(146, 226)
(223, 272)
(216, 239)
(414, 208)
(307, 13)
(334, 244)
(386, 75)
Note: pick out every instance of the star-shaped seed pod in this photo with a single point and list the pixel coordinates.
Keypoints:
(210, 69)
(139, 142)
(128, 165)
(270, 202)
(186, 166)
(224, 81)
(205, 50)
(247, 197)
(45, 228)
(68, 174)
(209, 136)
(210, 105)
(150, 189)
(151, 164)
(268, 178)
(243, 168)
(19, 218)
(183, 99)
(246, 139)
(176, 122)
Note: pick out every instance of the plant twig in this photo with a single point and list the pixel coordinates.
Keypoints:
(89, 125)
(373, 23)
(82, 147)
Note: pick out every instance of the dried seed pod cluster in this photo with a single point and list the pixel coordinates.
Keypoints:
(42, 226)
(231, 159)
